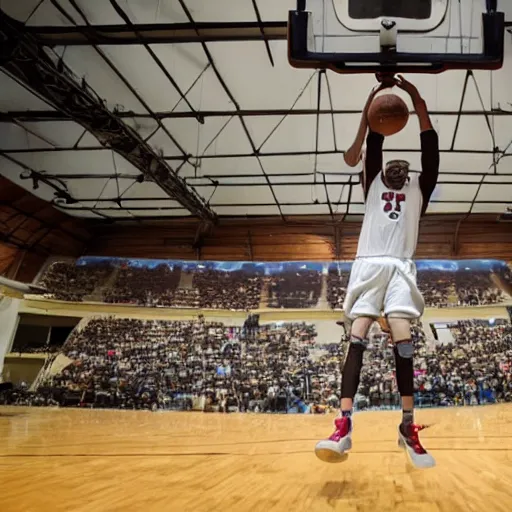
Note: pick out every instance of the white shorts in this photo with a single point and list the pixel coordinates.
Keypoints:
(383, 285)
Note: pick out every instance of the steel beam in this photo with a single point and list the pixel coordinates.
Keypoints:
(170, 33)
(167, 33)
(35, 116)
(25, 59)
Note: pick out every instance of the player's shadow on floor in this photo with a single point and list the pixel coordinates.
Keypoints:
(333, 491)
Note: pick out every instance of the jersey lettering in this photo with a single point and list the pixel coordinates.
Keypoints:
(393, 204)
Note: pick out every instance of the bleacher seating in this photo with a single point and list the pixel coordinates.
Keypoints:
(337, 282)
(71, 282)
(242, 290)
(158, 364)
(295, 290)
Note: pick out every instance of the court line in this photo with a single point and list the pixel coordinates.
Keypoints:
(314, 440)
(231, 454)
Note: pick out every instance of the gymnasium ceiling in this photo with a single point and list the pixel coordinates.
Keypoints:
(246, 133)
(29, 223)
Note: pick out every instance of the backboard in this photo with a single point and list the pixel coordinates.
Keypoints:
(413, 36)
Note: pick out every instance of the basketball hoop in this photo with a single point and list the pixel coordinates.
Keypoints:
(308, 21)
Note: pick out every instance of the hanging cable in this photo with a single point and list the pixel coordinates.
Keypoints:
(301, 93)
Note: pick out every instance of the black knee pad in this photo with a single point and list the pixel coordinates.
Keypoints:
(352, 367)
(404, 367)
(405, 348)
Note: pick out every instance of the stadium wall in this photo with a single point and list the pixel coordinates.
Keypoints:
(37, 306)
(32, 230)
(7, 256)
(298, 239)
(9, 308)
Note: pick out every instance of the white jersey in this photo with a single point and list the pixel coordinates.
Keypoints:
(391, 222)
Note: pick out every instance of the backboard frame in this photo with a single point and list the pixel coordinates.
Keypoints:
(300, 28)
(439, 12)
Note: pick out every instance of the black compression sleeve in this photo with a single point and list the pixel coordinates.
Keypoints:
(429, 165)
(351, 372)
(373, 159)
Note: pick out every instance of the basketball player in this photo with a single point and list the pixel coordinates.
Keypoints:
(383, 277)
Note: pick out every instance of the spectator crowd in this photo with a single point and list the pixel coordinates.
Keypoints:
(235, 290)
(476, 289)
(144, 286)
(130, 363)
(295, 290)
(164, 285)
(337, 282)
(147, 364)
(476, 368)
(435, 286)
(71, 282)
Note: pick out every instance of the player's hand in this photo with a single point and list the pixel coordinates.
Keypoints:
(386, 79)
(379, 87)
(408, 87)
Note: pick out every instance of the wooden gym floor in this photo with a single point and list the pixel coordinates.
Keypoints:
(84, 460)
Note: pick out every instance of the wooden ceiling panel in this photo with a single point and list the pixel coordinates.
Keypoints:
(30, 224)
(314, 238)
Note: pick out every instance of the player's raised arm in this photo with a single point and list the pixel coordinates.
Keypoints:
(374, 141)
(429, 142)
(354, 153)
(419, 103)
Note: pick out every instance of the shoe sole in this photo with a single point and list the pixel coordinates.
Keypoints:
(331, 456)
(403, 445)
(334, 456)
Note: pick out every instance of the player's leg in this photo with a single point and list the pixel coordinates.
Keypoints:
(368, 282)
(408, 431)
(333, 449)
(403, 350)
(364, 303)
(353, 363)
(401, 306)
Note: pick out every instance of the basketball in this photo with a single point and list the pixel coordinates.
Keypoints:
(388, 114)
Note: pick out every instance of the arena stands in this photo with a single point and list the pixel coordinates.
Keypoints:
(506, 275)
(270, 368)
(44, 349)
(144, 286)
(295, 290)
(179, 364)
(476, 288)
(436, 286)
(377, 386)
(137, 363)
(475, 369)
(337, 282)
(185, 298)
(144, 364)
(243, 290)
(235, 290)
(275, 362)
(72, 282)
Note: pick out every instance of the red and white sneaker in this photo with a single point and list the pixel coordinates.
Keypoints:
(334, 448)
(408, 439)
